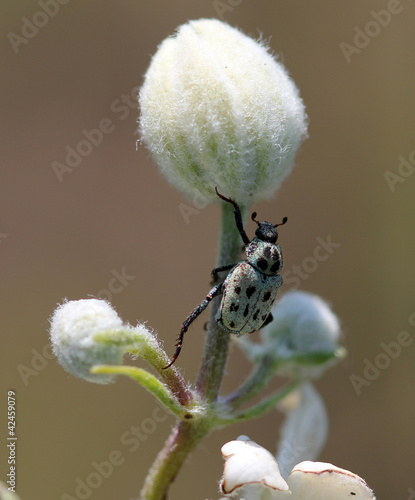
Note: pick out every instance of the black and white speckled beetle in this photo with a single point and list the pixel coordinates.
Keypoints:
(250, 287)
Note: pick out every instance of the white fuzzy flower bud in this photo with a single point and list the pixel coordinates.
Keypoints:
(303, 327)
(304, 432)
(321, 481)
(251, 471)
(73, 328)
(217, 109)
(303, 323)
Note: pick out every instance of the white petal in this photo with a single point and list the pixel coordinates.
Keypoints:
(322, 481)
(252, 470)
(304, 431)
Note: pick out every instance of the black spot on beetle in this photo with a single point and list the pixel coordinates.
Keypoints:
(232, 324)
(267, 252)
(255, 316)
(275, 266)
(234, 307)
(238, 290)
(266, 296)
(250, 290)
(246, 310)
(262, 263)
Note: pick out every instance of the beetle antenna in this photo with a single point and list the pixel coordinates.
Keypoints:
(284, 220)
(253, 215)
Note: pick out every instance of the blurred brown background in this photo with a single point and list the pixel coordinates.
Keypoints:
(114, 211)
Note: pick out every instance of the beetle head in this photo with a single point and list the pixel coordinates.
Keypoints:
(266, 231)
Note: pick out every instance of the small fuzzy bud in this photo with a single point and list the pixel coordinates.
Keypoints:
(74, 326)
(217, 109)
(303, 327)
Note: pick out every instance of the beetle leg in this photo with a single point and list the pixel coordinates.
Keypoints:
(217, 270)
(238, 218)
(216, 290)
(268, 320)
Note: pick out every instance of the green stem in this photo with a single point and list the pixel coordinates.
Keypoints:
(152, 384)
(154, 354)
(227, 416)
(266, 404)
(217, 340)
(186, 435)
(262, 373)
(147, 347)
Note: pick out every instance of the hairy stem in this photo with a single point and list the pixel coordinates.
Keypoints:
(186, 435)
(217, 340)
(262, 373)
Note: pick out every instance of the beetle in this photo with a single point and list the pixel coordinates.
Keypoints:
(251, 286)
